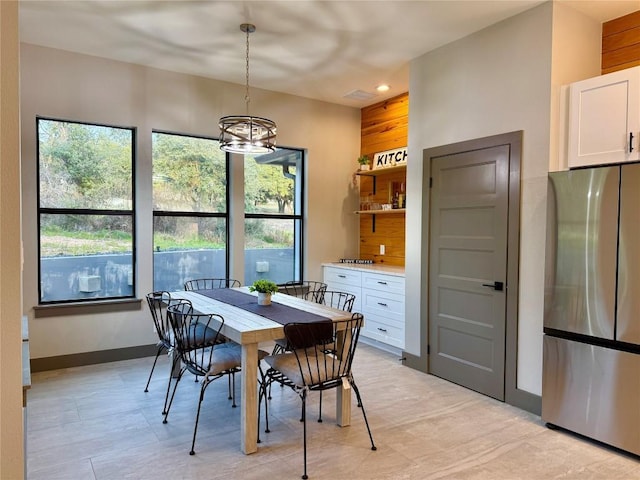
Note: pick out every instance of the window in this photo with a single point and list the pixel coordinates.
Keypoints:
(189, 210)
(86, 219)
(273, 216)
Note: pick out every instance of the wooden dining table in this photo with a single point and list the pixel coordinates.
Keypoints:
(249, 329)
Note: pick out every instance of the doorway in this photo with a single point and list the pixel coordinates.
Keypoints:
(473, 262)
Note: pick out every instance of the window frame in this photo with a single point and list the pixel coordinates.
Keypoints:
(185, 214)
(89, 211)
(299, 217)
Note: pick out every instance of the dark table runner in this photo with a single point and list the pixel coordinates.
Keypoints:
(277, 312)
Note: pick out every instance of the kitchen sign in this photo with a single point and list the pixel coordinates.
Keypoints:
(390, 158)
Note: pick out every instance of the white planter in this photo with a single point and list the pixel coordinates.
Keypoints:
(364, 167)
(264, 298)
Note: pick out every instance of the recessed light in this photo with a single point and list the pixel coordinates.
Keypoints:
(383, 88)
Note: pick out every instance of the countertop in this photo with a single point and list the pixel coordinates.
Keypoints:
(374, 267)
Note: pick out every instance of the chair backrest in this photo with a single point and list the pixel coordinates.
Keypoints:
(308, 289)
(324, 350)
(195, 335)
(340, 300)
(158, 303)
(211, 283)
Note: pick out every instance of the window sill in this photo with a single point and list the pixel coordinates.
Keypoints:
(84, 308)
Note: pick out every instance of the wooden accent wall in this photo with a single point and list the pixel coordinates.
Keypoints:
(621, 43)
(384, 127)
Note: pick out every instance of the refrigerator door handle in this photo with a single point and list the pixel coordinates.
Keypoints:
(499, 286)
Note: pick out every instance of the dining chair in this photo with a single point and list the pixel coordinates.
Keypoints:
(320, 359)
(304, 287)
(211, 283)
(158, 302)
(336, 299)
(196, 342)
(309, 290)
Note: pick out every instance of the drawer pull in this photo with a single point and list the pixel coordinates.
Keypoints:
(382, 329)
(382, 304)
(342, 276)
(382, 283)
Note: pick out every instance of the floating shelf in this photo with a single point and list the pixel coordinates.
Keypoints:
(381, 171)
(380, 212)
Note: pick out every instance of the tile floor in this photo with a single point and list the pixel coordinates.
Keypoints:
(96, 423)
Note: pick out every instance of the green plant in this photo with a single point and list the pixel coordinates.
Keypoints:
(264, 286)
(363, 160)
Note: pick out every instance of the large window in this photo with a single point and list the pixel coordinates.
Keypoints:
(273, 216)
(189, 210)
(86, 217)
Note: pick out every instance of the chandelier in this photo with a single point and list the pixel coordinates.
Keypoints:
(244, 133)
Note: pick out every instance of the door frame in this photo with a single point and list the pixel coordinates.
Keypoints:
(513, 395)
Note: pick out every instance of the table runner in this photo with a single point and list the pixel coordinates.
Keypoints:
(277, 312)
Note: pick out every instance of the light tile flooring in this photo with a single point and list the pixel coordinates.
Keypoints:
(95, 422)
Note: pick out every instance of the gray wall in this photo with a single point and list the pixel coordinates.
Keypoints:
(502, 79)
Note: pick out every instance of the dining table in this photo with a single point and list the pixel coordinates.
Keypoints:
(250, 324)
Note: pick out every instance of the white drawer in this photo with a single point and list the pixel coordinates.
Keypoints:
(380, 281)
(383, 303)
(343, 276)
(377, 329)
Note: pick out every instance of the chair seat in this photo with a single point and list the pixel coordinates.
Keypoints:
(225, 357)
(320, 369)
(200, 335)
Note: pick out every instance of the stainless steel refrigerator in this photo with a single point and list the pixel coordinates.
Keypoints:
(591, 359)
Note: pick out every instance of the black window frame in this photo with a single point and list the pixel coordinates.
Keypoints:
(89, 211)
(177, 214)
(300, 217)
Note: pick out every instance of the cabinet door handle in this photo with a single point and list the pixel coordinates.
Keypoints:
(382, 304)
(342, 276)
(630, 142)
(382, 329)
(382, 283)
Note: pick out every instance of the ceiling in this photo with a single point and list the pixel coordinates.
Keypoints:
(323, 50)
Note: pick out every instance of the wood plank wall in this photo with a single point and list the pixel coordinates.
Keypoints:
(621, 43)
(384, 127)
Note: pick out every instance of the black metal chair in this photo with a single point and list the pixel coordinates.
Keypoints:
(309, 290)
(158, 303)
(210, 283)
(321, 359)
(196, 342)
(304, 287)
(336, 299)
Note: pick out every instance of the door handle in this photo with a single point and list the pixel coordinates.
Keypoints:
(499, 286)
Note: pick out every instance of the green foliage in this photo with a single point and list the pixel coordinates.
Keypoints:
(269, 188)
(85, 166)
(189, 174)
(363, 160)
(264, 286)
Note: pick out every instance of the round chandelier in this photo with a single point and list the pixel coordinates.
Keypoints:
(244, 133)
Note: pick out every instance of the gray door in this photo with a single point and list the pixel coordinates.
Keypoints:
(468, 268)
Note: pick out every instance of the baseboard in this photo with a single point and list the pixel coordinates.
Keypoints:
(414, 361)
(524, 400)
(91, 358)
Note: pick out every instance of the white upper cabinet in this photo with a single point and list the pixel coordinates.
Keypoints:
(604, 119)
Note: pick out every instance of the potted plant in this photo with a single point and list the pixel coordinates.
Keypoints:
(264, 288)
(363, 160)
